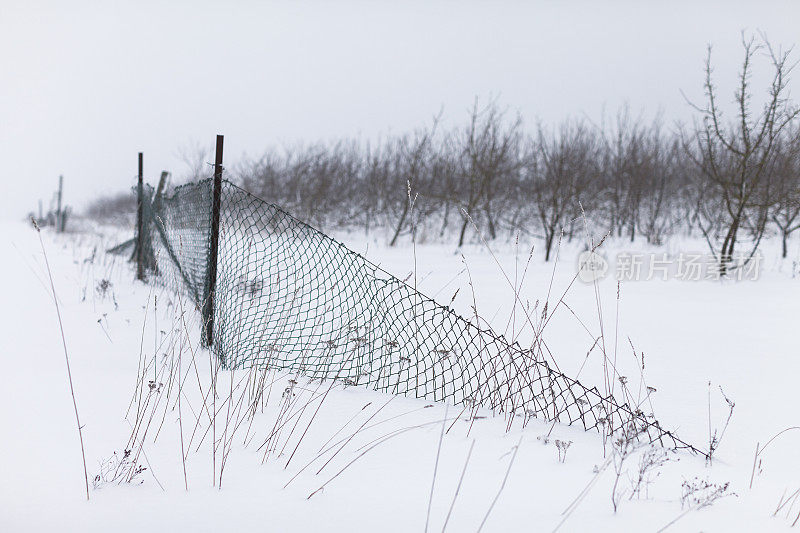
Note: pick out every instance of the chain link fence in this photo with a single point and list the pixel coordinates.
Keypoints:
(289, 297)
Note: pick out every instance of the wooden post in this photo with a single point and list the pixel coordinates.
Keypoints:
(211, 283)
(139, 221)
(162, 184)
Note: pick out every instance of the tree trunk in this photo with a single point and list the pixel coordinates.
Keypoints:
(785, 235)
(400, 224)
(446, 217)
(492, 232)
(548, 244)
(463, 231)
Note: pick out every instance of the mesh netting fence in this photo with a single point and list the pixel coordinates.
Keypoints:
(290, 297)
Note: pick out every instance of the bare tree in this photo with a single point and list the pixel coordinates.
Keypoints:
(415, 155)
(735, 158)
(489, 152)
(786, 212)
(660, 179)
(560, 168)
(621, 172)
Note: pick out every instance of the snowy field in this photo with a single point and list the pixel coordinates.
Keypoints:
(392, 463)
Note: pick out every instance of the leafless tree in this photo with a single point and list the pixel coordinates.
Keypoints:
(786, 211)
(114, 208)
(415, 155)
(489, 149)
(660, 179)
(560, 167)
(735, 158)
(621, 172)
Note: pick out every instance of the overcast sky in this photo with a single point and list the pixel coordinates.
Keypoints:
(86, 85)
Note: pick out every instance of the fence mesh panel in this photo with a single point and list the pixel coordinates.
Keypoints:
(178, 228)
(290, 297)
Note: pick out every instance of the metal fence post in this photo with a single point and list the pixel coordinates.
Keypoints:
(211, 283)
(139, 221)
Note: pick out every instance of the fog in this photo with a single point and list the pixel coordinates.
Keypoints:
(87, 86)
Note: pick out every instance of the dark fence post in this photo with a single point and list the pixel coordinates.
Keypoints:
(139, 221)
(211, 283)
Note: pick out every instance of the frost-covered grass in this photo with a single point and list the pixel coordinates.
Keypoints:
(121, 335)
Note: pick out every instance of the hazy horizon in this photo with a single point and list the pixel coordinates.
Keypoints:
(89, 85)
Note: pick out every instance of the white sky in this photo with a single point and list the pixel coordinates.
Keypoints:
(86, 85)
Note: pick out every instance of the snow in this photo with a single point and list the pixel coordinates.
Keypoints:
(737, 335)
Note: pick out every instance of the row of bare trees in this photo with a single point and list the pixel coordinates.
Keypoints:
(731, 180)
(732, 176)
(633, 179)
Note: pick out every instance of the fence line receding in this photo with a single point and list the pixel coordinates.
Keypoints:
(289, 296)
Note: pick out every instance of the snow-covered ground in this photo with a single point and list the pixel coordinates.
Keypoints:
(740, 336)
